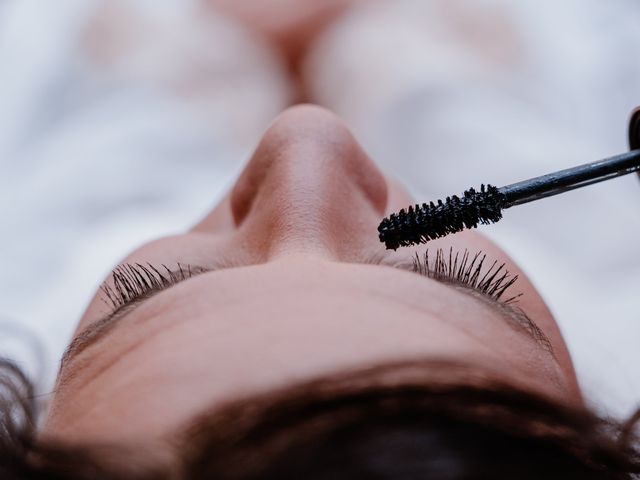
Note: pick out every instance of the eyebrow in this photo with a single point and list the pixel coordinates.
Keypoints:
(514, 316)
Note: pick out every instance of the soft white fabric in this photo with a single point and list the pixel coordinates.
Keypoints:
(124, 120)
(120, 121)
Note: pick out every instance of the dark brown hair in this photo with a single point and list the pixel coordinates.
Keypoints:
(392, 421)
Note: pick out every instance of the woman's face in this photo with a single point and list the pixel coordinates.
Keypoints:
(284, 288)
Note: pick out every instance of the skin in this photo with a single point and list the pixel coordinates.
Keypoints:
(290, 26)
(293, 302)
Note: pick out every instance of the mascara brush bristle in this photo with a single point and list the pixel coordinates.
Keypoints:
(421, 223)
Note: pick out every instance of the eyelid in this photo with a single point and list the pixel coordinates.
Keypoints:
(100, 326)
(466, 270)
(121, 306)
(134, 282)
(130, 283)
(507, 307)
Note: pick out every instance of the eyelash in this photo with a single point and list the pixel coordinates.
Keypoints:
(133, 282)
(467, 271)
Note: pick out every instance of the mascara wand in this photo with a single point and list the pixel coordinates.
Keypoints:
(421, 223)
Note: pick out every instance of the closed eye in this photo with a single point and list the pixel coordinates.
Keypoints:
(130, 284)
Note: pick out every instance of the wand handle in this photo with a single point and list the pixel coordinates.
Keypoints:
(570, 179)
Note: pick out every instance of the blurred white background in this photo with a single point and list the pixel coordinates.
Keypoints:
(125, 120)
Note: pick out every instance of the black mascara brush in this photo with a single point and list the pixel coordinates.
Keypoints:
(421, 223)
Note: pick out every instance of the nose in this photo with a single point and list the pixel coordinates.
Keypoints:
(309, 187)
